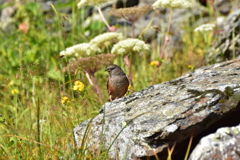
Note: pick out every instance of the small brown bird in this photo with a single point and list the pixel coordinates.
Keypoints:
(117, 84)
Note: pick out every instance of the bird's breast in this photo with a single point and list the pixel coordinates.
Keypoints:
(118, 81)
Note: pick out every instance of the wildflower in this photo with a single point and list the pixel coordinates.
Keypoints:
(65, 100)
(23, 27)
(204, 27)
(41, 122)
(130, 45)
(172, 4)
(10, 83)
(91, 64)
(91, 2)
(154, 63)
(105, 40)
(130, 87)
(190, 67)
(14, 91)
(130, 14)
(124, 123)
(79, 50)
(78, 86)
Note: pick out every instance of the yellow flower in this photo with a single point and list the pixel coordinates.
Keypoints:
(190, 67)
(14, 91)
(65, 100)
(130, 87)
(130, 90)
(78, 86)
(10, 83)
(154, 63)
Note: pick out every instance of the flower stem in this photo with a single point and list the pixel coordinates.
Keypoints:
(164, 46)
(89, 79)
(96, 86)
(167, 35)
(133, 34)
(126, 60)
(128, 64)
(112, 29)
(155, 73)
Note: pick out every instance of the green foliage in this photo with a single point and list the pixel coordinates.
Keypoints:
(34, 123)
(31, 76)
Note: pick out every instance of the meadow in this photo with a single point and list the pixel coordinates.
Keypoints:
(39, 106)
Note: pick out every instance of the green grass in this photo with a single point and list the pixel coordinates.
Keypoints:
(34, 124)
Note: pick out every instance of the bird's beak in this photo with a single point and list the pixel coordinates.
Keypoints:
(107, 69)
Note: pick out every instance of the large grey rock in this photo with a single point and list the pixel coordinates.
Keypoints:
(224, 144)
(149, 121)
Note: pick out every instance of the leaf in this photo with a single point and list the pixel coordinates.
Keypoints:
(55, 74)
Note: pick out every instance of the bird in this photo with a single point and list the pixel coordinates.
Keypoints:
(117, 83)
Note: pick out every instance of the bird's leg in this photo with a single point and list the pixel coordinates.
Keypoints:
(110, 98)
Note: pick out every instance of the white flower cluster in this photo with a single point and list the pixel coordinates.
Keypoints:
(78, 50)
(90, 2)
(96, 45)
(105, 40)
(172, 4)
(130, 45)
(204, 27)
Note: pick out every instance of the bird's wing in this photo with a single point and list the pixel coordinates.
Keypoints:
(110, 90)
(108, 87)
(129, 82)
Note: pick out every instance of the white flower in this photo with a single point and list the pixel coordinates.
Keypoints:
(40, 121)
(172, 4)
(121, 51)
(78, 50)
(90, 2)
(130, 45)
(204, 27)
(105, 40)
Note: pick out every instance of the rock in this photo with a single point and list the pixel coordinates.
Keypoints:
(6, 19)
(227, 43)
(224, 144)
(222, 6)
(147, 122)
(126, 3)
